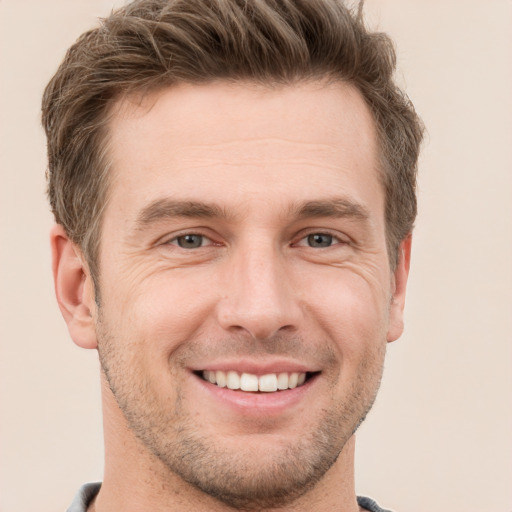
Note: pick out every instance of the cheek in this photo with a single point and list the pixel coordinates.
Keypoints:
(164, 310)
(354, 313)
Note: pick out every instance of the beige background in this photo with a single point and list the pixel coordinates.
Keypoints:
(439, 438)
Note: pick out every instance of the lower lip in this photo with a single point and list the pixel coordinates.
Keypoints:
(252, 403)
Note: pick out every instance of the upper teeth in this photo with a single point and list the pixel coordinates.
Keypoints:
(249, 382)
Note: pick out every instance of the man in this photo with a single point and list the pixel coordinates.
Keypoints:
(233, 184)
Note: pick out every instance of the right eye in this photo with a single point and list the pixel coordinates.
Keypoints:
(190, 241)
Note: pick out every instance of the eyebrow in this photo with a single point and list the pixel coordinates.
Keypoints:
(336, 208)
(162, 209)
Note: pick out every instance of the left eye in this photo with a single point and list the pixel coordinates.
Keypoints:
(318, 240)
(190, 241)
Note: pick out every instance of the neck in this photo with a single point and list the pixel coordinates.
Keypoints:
(135, 480)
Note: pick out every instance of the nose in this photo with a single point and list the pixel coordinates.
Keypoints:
(259, 297)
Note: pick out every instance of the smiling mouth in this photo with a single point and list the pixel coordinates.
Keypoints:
(269, 383)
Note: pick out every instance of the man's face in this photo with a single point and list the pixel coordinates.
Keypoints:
(245, 234)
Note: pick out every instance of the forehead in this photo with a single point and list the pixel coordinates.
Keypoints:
(220, 139)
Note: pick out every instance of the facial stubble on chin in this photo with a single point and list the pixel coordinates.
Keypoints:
(248, 479)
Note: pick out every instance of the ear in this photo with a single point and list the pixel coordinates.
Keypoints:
(74, 288)
(398, 287)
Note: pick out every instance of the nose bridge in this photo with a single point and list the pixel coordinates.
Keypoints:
(259, 297)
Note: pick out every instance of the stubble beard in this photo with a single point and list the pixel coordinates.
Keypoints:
(245, 480)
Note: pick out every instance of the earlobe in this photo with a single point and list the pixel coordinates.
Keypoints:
(400, 276)
(74, 288)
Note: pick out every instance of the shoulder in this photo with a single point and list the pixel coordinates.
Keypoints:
(84, 496)
(370, 505)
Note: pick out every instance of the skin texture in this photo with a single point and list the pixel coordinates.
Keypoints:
(252, 172)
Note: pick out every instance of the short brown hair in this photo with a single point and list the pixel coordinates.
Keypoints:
(155, 43)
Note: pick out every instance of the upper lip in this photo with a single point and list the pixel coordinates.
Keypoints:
(256, 367)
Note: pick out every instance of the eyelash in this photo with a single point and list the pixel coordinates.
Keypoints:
(305, 240)
(331, 239)
(204, 238)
